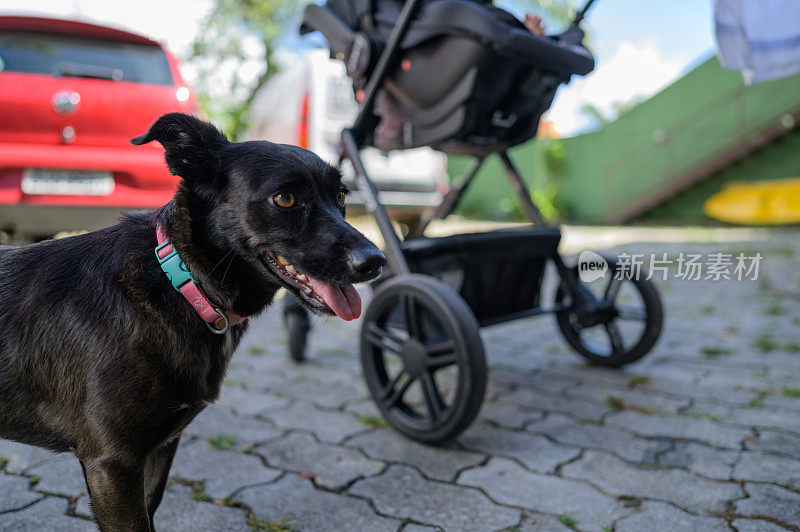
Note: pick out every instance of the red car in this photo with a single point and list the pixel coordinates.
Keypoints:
(72, 94)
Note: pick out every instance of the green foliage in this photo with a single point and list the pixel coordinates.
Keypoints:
(614, 402)
(235, 33)
(270, 526)
(790, 391)
(222, 442)
(373, 421)
(567, 520)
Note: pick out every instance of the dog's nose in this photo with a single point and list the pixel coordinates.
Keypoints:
(366, 263)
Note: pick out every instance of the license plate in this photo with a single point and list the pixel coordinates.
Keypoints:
(38, 181)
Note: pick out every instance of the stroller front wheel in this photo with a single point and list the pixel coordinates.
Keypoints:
(621, 328)
(423, 358)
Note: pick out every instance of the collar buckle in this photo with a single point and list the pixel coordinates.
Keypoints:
(172, 265)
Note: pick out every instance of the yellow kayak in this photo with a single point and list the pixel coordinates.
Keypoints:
(774, 202)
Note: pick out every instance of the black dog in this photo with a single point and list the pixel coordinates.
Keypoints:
(101, 355)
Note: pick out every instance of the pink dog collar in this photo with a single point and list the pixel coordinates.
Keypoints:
(178, 273)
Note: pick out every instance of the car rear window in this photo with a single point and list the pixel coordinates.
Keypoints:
(68, 55)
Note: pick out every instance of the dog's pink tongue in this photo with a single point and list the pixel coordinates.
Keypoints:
(343, 300)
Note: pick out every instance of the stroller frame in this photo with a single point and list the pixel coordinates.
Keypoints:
(441, 329)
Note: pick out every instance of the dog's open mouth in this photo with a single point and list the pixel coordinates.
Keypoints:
(344, 301)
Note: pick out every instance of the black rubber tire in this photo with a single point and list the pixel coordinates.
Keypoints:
(653, 317)
(298, 324)
(457, 344)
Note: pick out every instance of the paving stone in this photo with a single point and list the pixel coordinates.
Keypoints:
(61, 476)
(770, 501)
(703, 460)
(419, 528)
(224, 472)
(332, 465)
(679, 427)
(403, 492)
(590, 435)
(508, 483)
(507, 414)
(547, 402)
(324, 394)
(14, 493)
(666, 517)
(756, 525)
(214, 421)
(18, 457)
(541, 523)
(297, 501)
(330, 426)
(761, 418)
(678, 486)
(47, 514)
(248, 403)
(536, 452)
(440, 463)
(774, 441)
(768, 468)
(647, 397)
(179, 513)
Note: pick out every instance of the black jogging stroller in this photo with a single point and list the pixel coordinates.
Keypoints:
(464, 77)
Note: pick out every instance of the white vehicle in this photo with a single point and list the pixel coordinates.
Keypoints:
(308, 104)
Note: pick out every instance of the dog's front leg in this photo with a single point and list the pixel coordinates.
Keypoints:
(156, 474)
(116, 489)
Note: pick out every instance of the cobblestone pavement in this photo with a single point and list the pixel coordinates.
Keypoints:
(703, 434)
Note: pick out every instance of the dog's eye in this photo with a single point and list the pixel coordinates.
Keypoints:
(342, 198)
(284, 199)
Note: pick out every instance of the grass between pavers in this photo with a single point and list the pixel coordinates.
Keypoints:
(714, 350)
(775, 310)
(765, 343)
(791, 391)
(374, 422)
(758, 400)
(34, 480)
(222, 442)
(256, 350)
(638, 380)
(567, 520)
(619, 404)
(270, 526)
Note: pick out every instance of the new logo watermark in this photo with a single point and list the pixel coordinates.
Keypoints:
(683, 266)
(591, 266)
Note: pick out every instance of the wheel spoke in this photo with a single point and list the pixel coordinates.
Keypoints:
(411, 314)
(631, 313)
(384, 339)
(441, 355)
(617, 345)
(392, 394)
(433, 400)
(612, 289)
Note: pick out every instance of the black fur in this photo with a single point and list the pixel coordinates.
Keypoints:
(100, 356)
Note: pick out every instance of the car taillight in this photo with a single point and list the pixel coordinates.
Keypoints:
(302, 130)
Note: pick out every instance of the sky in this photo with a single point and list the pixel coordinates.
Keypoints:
(639, 46)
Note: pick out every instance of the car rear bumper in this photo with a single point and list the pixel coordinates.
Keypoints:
(140, 174)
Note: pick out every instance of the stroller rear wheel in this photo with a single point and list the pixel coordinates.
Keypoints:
(423, 358)
(621, 327)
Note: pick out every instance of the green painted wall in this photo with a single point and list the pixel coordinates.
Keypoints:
(778, 160)
(704, 114)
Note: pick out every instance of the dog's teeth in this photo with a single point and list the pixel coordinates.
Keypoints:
(282, 260)
(302, 278)
(290, 268)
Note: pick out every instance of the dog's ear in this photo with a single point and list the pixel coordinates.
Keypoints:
(191, 148)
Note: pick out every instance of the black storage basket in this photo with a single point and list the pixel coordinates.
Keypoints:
(498, 273)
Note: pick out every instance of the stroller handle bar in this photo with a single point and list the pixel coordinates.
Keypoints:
(579, 16)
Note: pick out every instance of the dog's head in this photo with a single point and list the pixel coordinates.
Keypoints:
(280, 207)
